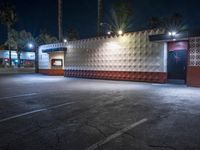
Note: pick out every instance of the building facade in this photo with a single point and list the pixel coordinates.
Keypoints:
(27, 58)
(137, 56)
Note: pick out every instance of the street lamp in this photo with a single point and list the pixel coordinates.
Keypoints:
(30, 45)
(65, 40)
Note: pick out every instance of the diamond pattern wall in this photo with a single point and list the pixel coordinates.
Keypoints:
(131, 52)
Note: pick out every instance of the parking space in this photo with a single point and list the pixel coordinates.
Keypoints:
(57, 113)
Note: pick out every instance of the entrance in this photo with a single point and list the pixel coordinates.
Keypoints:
(177, 61)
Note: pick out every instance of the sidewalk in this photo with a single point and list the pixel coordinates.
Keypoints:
(16, 70)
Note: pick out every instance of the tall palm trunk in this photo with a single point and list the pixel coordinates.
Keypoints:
(60, 20)
(100, 16)
(9, 48)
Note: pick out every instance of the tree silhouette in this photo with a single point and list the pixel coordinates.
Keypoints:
(169, 23)
(122, 15)
(72, 34)
(8, 17)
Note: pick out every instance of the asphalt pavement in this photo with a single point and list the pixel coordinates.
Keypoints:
(40, 112)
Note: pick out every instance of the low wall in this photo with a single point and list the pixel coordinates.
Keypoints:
(193, 71)
(193, 76)
(157, 77)
(16, 70)
(52, 72)
(129, 57)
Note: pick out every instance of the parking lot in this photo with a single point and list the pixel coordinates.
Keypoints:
(40, 112)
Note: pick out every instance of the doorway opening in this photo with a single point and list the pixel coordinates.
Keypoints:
(177, 61)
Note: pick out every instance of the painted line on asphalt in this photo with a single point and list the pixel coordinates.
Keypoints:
(115, 135)
(17, 96)
(34, 111)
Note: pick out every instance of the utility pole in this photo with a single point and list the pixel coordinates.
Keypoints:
(60, 20)
(100, 16)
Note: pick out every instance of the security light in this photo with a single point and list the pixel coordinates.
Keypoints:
(173, 33)
(120, 32)
(65, 40)
(109, 32)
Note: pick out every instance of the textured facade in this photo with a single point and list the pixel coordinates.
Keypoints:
(128, 57)
(131, 56)
(45, 59)
(193, 73)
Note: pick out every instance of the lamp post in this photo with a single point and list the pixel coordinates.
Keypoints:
(32, 46)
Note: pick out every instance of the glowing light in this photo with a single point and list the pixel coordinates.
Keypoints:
(6, 59)
(173, 33)
(109, 33)
(30, 45)
(65, 40)
(120, 32)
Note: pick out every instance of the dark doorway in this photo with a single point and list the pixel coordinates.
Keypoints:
(177, 61)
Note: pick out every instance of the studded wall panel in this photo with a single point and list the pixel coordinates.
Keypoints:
(131, 52)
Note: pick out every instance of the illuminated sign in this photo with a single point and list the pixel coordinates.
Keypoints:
(56, 62)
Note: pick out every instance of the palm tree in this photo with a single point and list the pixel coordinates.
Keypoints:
(169, 23)
(45, 38)
(8, 17)
(72, 34)
(122, 15)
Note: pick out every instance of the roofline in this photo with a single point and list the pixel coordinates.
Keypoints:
(180, 36)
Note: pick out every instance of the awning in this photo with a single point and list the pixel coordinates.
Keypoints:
(54, 50)
(179, 36)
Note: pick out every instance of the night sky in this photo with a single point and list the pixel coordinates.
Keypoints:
(36, 15)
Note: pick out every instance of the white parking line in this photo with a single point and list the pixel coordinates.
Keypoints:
(34, 111)
(115, 135)
(16, 96)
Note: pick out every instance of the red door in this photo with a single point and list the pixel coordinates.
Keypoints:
(177, 60)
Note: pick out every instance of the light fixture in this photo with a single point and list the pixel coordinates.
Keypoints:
(120, 32)
(109, 32)
(65, 40)
(30, 45)
(173, 33)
